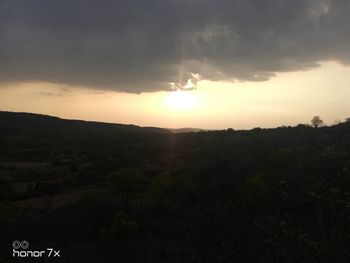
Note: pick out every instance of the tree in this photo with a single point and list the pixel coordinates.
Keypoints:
(316, 121)
(347, 120)
(127, 182)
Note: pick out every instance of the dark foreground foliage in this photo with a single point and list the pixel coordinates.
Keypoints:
(114, 193)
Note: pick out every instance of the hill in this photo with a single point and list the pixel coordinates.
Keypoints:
(186, 130)
(131, 194)
(12, 122)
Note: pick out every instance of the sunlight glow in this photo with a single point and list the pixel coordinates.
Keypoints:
(181, 100)
(282, 100)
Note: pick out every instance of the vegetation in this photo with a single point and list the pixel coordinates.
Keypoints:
(127, 182)
(316, 121)
(114, 193)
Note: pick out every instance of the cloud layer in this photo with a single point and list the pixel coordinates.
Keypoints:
(140, 46)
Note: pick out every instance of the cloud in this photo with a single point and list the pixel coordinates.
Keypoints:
(141, 46)
(190, 84)
(53, 91)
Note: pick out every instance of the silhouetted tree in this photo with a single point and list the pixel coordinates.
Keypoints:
(347, 119)
(127, 182)
(316, 121)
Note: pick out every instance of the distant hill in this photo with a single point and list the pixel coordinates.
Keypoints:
(17, 122)
(186, 130)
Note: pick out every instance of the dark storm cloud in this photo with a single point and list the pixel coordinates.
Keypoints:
(144, 45)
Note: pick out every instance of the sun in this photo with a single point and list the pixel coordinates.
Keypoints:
(181, 100)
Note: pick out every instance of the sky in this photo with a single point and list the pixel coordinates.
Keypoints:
(184, 63)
